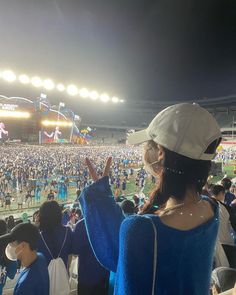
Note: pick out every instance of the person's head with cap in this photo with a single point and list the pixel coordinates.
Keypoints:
(21, 242)
(180, 143)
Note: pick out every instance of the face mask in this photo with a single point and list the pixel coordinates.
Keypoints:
(11, 252)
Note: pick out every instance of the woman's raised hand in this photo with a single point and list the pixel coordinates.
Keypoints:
(92, 170)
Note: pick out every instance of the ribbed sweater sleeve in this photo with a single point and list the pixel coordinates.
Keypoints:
(103, 218)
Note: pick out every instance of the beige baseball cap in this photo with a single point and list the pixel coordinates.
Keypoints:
(184, 128)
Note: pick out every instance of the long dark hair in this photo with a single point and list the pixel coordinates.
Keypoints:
(178, 174)
(50, 216)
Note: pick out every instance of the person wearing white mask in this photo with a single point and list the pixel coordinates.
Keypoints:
(21, 245)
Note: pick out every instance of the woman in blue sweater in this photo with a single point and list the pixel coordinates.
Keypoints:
(168, 249)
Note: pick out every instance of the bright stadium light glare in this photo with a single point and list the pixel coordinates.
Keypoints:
(9, 76)
(93, 95)
(115, 99)
(36, 81)
(14, 114)
(104, 97)
(60, 87)
(48, 84)
(72, 90)
(24, 79)
(56, 123)
(84, 92)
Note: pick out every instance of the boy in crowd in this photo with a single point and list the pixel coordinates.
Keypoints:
(21, 245)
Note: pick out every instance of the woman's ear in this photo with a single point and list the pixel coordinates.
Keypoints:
(160, 153)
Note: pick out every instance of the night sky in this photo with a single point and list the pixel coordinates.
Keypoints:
(135, 49)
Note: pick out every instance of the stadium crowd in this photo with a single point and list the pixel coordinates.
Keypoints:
(167, 244)
(28, 173)
(226, 155)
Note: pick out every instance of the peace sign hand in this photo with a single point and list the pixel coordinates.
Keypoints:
(92, 170)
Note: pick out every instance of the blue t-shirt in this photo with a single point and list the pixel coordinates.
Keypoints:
(34, 280)
(90, 271)
(7, 271)
(54, 241)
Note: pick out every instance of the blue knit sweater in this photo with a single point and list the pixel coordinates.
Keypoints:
(125, 246)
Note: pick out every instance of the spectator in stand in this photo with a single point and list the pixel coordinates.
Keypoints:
(73, 218)
(8, 267)
(227, 216)
(65, 216)
(136, 203)
(55, 239)
(93, 278)
(170, 251)
(229, 197)
(22, 244)
(127, 207)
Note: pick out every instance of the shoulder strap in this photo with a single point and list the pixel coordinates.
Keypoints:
(155, 253)
(63, 242)
(61, 246)
(46, 245)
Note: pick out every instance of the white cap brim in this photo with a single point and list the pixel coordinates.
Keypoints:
(138, 137)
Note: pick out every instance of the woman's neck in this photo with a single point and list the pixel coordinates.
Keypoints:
(189, 198)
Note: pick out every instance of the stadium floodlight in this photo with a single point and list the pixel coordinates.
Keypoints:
(43, 96)
(9, 76)
(72, 90)
(36, 81)
(93, 95)
(115, 99)
(14, 114)
(60, 87)
(48, 84)
(84, 92)
(24, 79)
(104, 97)
(56, 123)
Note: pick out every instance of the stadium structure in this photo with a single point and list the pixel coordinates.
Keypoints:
(26, 114)
(114, 122)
